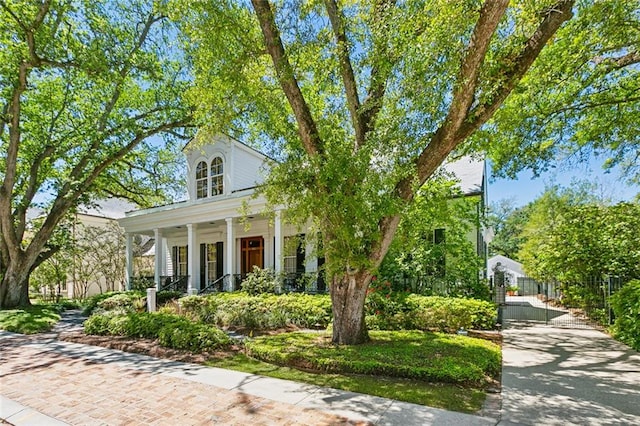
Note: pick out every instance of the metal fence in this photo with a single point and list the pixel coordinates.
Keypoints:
(566, 304)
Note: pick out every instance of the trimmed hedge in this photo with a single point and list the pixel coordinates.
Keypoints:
(172, 331)
(263, 311)
(626, 307)
(397, 311)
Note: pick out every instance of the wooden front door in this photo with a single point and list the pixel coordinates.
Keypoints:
(252, 253)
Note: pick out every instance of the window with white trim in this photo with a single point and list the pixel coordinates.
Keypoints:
(217, 181)
(201, 180)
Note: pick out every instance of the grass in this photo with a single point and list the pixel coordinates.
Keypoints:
(34, 319)
(434, 357)
(440, 395)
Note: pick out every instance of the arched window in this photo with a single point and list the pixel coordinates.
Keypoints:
(217, 180)
(201, 180)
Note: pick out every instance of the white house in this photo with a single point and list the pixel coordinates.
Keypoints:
(207, 242)
(204, 243)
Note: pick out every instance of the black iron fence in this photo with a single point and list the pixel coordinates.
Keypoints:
(570, 304)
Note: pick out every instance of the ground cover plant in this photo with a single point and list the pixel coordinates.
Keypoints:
(435, 357)
(441, 395)
(37, 318)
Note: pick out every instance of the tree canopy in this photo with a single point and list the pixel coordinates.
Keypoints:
(84, 86)
(580, 98)
(363, 102)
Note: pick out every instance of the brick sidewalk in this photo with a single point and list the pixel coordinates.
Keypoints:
(84, 392)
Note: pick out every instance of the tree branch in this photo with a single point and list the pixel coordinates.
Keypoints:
(379, 73)
(555, 16)
(619, 62)
(348, 77)
(306, 125)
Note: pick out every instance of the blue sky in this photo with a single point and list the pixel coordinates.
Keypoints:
(526, 188)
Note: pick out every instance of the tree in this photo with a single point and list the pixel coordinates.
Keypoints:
(572, 240)
(83, 88)
(508, 223)
(581, 97)
(364, 102)
(432, 238)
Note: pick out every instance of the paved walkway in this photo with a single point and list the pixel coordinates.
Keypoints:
(44, 381)
(561, 376)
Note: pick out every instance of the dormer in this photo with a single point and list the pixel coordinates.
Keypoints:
(220, 166)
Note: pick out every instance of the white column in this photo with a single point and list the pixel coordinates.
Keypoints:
(192, 259)
(128, 248)
(159, 259)
(279, 242)
(231, 250)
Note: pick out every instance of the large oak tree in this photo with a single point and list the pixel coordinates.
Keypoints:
(83, 86)
(364, 101)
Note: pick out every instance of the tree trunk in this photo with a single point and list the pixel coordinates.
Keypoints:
(14, 289)
(348, 293)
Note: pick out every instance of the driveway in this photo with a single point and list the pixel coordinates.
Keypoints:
(560, 376)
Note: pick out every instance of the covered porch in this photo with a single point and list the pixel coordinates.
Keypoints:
(202, 252)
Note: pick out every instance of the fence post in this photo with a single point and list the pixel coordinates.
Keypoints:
(151, 299)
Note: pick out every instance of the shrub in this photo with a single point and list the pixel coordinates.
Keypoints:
(128, 301)
(172, 331)
(260, 281)
(165, 296)
(264, 311)
(626, 307)
(92, 303)
(389, 310)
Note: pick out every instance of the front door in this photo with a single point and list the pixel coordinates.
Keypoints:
(252, 254)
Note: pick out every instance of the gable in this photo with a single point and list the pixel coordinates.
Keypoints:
(220, 165)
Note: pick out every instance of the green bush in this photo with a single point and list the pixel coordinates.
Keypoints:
(626, 307)
(164, 296)
(398, 310)
(260, 281)
(122, 301)
(92, 302)
(263, 311)
(172, 331)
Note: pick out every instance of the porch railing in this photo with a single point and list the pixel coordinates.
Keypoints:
(174, 283)
(302, 282)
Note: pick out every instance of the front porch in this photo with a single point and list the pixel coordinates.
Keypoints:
(217, 254)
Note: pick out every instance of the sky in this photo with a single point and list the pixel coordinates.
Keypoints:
(526, 187)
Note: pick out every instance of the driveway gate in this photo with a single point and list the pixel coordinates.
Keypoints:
(540, 303)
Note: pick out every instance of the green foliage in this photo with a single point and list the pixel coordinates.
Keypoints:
(580, 97)
(172, 331)
(398, 310)
(508, 224)
(90, 91)
(626, 307)
(452, 397)
(164, 296)
(414, 254)
(125, 298)
(263, 311)
(408, 354)
(260, 281)
(35, 319)
(570, 238)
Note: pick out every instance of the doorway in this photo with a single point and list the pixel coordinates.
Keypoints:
(252, 254)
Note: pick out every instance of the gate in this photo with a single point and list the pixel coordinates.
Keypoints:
(585, 305)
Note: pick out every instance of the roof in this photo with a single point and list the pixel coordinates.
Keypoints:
(231, 138)
(507, 263)
(470, 172)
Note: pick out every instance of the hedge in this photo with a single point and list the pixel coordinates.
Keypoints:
(172, 331)
(626, 307)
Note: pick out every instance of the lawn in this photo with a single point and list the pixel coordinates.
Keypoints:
(35, 319)
(448, 396)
